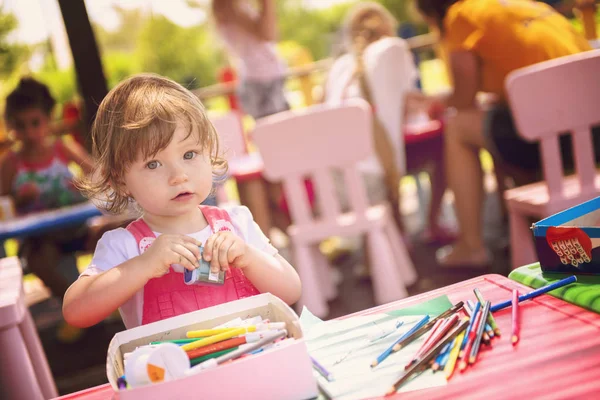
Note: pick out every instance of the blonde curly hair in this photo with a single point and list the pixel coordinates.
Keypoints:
(136, 120)
(366, 23)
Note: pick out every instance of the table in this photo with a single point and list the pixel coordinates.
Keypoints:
(43, 222)
(584, 293)
(558, 354)
(24, 370)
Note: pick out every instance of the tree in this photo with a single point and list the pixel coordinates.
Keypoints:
(11, 55)
(186, 55)
(86, 58)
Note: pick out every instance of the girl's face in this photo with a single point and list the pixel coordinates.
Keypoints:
(173, 182)
(31, 126)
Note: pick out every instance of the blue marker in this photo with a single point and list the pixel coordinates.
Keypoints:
(535, 293)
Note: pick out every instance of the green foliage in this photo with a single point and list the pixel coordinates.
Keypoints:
(12, 55)
(62, 83)
(187, 55)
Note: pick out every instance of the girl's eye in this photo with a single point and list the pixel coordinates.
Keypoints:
(152, 165)
(189, 155)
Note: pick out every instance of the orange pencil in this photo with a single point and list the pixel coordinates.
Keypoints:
(515, 317)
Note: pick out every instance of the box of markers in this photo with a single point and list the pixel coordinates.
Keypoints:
(569, 242)
(283, 372)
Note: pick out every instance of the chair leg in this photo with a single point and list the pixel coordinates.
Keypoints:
(37, 356)
(312, 296)
(324, 274)
(522, 248)
(388, 284)
(401, 254)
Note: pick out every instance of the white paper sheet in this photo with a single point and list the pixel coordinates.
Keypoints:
(344, 348)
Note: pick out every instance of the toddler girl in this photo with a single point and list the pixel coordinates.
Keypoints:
(156, 148)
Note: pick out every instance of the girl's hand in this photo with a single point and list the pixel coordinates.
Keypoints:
(436, 110)
(225, 249)
(172, 249)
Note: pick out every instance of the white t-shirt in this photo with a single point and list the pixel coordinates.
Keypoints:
(117, 246)
(390, 72)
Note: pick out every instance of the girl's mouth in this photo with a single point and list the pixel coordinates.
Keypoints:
(183, 196)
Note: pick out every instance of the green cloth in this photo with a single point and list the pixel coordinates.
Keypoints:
(584, 293)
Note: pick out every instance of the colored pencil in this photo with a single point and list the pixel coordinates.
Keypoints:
(469, 329)
(321, 369)
(490, 318)
(515, 317)
(437, 364)
(488, 328)
(435, 328)
(464, 359)
(423, 362)
(477, 344)
(454, 309)
(214, 362)
(389, 350)
(451, 364)
(535, 293)
(442, 330)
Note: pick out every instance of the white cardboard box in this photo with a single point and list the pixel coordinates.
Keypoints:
(278, 373)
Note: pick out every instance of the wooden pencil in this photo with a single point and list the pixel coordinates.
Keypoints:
(390, 349)
(424, 361)
(442, 330)
(515, 317)
(490, 317)
(453, 358)
(464, 358)
(488, 329)
(471, 327)
(481, 328)
(454, 309)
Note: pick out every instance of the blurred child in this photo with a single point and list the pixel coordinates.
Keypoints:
(156, 148)
(35, 174)
(387, 64)
(249, 34)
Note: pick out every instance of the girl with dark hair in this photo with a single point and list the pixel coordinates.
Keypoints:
(484, 41)
(35, 174)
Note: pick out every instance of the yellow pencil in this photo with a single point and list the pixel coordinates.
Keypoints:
(207, 332)
(216, 338)
(250, 328)
(451, 364)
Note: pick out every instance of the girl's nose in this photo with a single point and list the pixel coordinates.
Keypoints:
(178, 176)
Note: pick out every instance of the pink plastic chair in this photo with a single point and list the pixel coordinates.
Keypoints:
(561, 95)
(24, 370)
(242, 165)
(312, 143)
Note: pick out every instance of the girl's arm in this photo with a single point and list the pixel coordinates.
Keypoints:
(268, 273)
(273, 274)
(77, 154)
(7, 175)
(465, 69)
(93, 298)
